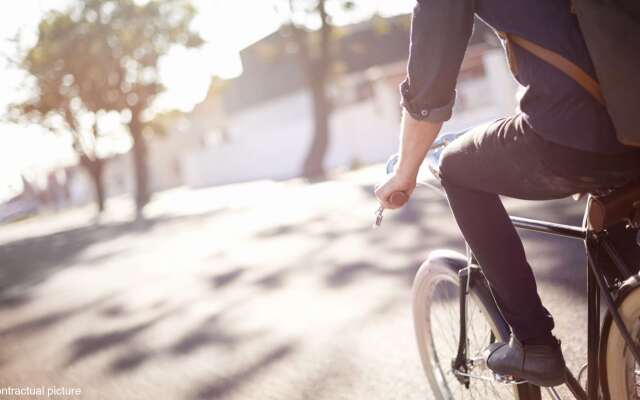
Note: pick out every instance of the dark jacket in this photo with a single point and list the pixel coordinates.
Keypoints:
(553, 104)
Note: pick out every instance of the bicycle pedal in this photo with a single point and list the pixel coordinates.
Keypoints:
(508, 379)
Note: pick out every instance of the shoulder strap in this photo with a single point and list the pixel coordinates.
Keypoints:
(572, 70)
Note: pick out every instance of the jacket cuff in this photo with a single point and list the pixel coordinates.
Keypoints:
(421, 112)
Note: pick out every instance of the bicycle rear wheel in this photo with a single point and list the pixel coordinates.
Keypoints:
(621, 372)
(436, 315)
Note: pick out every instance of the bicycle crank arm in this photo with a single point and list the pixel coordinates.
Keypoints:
(504, 379)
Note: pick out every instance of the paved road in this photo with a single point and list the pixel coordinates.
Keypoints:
(265, 290)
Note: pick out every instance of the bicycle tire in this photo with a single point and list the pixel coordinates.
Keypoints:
(618, 367)
(443, 266)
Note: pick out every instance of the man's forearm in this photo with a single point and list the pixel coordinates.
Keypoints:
(415, 140)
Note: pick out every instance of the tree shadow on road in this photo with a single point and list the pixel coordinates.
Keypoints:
(226, 278)
(93, 344)
(27, 262)
(231, 382)
(349, 273)
(51, 319)
(15, 300)
(210, 332)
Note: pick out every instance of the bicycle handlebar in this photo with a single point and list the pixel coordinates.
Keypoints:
(398, 199)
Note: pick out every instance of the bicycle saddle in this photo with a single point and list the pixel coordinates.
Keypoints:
(607, 208)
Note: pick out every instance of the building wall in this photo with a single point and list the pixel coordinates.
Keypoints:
(270, 141)
(165, 153)
(264, 142)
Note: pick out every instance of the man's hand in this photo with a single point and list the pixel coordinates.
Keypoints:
(415, 139)
(394, 183)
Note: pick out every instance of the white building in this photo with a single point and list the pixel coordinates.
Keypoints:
(268, 120)
(260, 125)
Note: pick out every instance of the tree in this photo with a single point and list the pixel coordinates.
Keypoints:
(316, 58)
(99, 57)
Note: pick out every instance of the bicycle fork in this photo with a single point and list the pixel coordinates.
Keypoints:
(460, 363)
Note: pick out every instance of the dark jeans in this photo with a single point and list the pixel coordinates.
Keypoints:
(507, 158)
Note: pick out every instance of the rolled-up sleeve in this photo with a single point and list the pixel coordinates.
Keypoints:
(440, 31)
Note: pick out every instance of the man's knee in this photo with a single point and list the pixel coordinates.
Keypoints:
(449, 166)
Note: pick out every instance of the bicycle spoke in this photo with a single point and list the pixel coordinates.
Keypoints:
(444, 316)
(452, 338)
(439, 324)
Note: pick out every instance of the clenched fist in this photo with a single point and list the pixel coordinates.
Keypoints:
(392, 184)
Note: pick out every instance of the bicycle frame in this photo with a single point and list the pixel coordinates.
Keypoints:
(597, 285)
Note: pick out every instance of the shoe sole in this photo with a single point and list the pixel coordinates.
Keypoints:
(541, 382)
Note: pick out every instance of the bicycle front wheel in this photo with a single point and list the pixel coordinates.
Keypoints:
(436, 315)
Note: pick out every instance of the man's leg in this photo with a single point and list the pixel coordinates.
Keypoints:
(496, 245)
(507, 158)
(502, 159)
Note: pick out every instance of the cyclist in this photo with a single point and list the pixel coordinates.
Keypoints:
(561, 141)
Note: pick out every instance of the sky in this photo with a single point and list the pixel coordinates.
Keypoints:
(226, 27)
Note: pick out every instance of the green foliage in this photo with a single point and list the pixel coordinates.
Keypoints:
(162, 122)
(102, 55)
(99, 57)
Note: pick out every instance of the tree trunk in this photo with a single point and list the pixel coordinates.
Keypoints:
(98, 183)
(313, 165)
(317, 68)
(142, 195)
(95, 169)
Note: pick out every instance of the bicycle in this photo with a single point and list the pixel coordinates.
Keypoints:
(456, 316)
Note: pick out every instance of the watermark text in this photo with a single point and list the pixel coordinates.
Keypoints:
(40, 391)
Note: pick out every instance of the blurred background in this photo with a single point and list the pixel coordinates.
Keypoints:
(110, 98)
(186, 196)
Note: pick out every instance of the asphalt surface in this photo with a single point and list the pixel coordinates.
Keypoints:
(263, 290)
